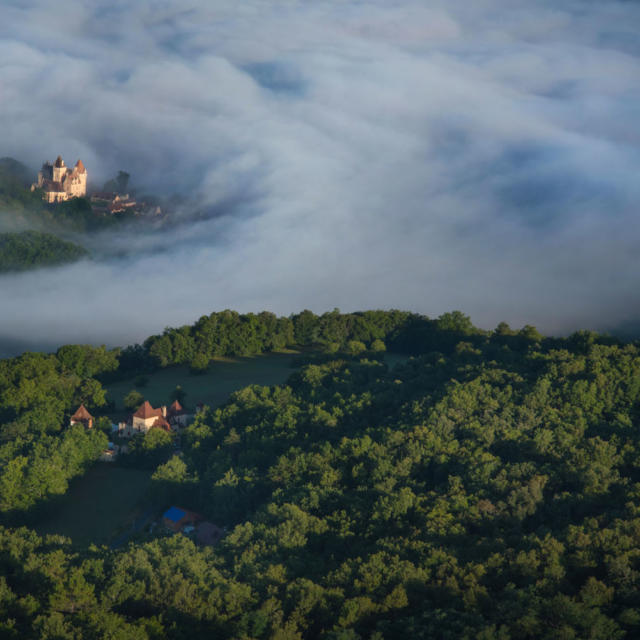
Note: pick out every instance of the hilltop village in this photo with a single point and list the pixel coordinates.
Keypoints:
(60, 183)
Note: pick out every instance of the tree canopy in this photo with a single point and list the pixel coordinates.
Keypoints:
(486, 488)
(33, 249)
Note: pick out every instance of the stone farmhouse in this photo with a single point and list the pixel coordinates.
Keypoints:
(146, 417)
(59, 182)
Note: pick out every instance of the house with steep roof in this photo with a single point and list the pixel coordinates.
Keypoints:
(59, 182)
(146, 417)
(177, 415)
(82, 416)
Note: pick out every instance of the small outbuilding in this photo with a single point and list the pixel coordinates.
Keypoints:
(177, 415)
(176, 518)
(82, 416)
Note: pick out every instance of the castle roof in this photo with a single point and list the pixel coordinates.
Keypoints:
(80, 167)
(147, 411)
(59, 162)
(82, 414)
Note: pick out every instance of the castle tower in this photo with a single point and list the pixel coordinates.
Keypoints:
(59, 169)
(46, 173)
(76, 183)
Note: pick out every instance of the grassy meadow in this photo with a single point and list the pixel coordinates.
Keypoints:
(99, 504)
(211, 388)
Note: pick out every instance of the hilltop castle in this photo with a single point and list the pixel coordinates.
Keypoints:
(59, 182)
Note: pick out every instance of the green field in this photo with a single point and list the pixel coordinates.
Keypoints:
(212, 388)
(99, 504)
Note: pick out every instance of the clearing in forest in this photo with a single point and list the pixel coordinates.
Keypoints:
(213, 387)
(98, 504)
(101, 505)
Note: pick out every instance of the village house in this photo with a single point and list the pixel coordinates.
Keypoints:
(111, 203)
(146, 417)
(59, 182)
(177, 415)
(108, 202)
(82, 416)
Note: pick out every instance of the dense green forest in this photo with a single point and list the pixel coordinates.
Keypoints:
(38, 393)
(32, 249)
(228, 333)
(487, 488)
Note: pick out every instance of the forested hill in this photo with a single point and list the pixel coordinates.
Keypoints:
(13, 172)
(15, 195)
(33, 249)
(229, 333)
(488, 488)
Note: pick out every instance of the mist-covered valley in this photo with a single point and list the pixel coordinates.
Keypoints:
(378, 454)
(355, 155)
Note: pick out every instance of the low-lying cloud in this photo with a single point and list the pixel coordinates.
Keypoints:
(478, 156)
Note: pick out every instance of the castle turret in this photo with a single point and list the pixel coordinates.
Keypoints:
(59, 169)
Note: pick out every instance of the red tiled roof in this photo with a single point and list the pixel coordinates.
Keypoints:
(175, 409)
(147, 411)
(161, 423)
(80, 167)
(82, 414)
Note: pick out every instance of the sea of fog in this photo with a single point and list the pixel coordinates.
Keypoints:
(417, 155)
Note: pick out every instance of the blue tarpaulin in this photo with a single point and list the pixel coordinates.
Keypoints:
(174, 514)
